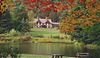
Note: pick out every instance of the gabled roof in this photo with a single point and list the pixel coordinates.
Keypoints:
(55, 23)
(43, 20)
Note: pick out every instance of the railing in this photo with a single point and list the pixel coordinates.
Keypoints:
(82, 55)
(57, 56)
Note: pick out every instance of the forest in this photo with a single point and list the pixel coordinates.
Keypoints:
(79, 21)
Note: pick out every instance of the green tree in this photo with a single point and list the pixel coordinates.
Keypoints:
(90, 35)
(6, 23)
(20, 18)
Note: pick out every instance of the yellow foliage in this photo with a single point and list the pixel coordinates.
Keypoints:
(5, 4)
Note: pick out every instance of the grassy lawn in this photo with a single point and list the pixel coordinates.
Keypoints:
(44, 32)
(47, 35)
(39, 56)
(38, 35)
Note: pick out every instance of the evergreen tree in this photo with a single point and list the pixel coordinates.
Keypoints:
(5, 22)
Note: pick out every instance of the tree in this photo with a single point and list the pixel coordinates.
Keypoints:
(5, 5)
(89, 35)
(13, 18)
(81, 16)
(5, 22)
(44, 6)
(20, 19)
(93, 34)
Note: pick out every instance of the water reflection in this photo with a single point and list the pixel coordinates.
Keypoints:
(55, 48)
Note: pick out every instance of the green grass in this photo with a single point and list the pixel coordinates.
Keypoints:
(39, 56)
(44, 32)
(37, 35)
(48, 35)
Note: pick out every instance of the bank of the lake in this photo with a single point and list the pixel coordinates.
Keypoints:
(39, 56)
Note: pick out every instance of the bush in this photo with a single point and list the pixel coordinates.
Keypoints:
(55, 36)
(40, 36)
(9, 50)
(13, 32)
(25, 38)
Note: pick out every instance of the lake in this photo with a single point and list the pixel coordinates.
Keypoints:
(55, 48)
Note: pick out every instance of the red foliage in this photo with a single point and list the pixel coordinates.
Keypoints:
(82, 1)
(94, 0)
(33, 0)
(51, 6)
(31, 6)
(0, 1)
(55, 10)
(43, 10)
(70, 1)
(58, 3)
(48, 9)
(47, 5)
(25, 2)
(66, 6)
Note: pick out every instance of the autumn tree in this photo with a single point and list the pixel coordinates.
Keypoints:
(46, 7)
(84, 15)
(74, 13)
(6, 4)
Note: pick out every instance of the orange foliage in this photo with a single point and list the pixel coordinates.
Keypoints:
(6, 4)
(69, 23)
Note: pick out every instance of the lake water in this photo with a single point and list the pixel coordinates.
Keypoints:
(56, 48)
(49, 48)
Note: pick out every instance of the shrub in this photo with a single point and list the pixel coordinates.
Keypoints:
(9, 50)
(13, 32)
(25, 38)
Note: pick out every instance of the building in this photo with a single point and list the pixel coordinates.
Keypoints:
(45, 23)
